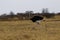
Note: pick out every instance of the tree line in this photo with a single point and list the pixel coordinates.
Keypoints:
(27, 15)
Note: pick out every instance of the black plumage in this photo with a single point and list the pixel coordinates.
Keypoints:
(36, 18)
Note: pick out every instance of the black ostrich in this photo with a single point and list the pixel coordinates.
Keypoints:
(37, 19)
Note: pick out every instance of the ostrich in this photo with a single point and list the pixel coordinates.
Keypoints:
(36, 19)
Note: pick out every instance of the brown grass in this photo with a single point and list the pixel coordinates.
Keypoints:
(27, 30)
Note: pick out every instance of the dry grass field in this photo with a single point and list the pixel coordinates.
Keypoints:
(27, 30)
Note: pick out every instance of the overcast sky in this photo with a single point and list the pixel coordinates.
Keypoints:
(32, 5)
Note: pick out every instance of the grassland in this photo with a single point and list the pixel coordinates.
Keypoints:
(27, 30)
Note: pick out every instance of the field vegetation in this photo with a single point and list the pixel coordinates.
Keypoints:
(20, 27)
(27, 30)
